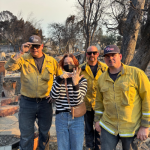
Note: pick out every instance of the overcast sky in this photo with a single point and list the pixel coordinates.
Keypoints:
(46, 10)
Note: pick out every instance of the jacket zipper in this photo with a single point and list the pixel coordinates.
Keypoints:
(37, 83)
(115, 104)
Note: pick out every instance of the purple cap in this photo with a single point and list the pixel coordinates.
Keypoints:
(35, 40)
(111, 49)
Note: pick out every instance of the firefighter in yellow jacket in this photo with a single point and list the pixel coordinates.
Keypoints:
(122, 109)
(37, 74)
(91, 70)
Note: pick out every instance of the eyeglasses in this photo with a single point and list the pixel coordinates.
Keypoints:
(35, 46)
(90, 53)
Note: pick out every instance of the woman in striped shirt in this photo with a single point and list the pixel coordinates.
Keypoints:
(70, 132)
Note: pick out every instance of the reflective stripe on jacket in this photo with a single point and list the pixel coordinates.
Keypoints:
(124, 105)
(33, 83)
(91, 83)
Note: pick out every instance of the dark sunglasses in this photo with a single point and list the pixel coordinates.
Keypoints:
(35, 46)
(90, 53)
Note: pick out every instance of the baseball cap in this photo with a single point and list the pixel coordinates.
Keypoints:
(111, 49)
(35, 40)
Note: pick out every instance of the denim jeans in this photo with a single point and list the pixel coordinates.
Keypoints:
(110, 141)
(92, 137)
(29, 111)
(70, 132)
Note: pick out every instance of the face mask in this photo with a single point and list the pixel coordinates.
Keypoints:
(69, 68)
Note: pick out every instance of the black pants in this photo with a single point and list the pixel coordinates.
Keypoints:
(110, 141)
(92, 137)
(30, 109)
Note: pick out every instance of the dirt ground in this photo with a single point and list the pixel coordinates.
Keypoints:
(53, 145)
(144, 146)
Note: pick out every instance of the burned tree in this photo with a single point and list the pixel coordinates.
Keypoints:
(16, 31)
(63, 35)
(142, 56)
(92, 11)
(131, 30)
(133, 22)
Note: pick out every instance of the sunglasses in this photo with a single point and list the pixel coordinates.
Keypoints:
(35, 46)
(90, 53)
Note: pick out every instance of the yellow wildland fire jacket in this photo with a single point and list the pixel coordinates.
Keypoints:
(90, 96)
(124, 105)
(33, 83)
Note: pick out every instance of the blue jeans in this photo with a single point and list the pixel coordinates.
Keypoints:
(70, 132)
(110, 141)
(92, 137)
(29, 111)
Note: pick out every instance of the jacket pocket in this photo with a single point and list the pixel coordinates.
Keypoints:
(105, 91)
(109, 105)
(127, 95)
(48, 74)
(27, 69)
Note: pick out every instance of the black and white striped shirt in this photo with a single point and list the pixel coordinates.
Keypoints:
(76, 93)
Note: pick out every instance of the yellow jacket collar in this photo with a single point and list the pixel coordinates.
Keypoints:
(123, 71)
(47, 58)
(30, 59)
(88, 69)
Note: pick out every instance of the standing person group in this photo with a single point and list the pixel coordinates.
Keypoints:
(117, 99)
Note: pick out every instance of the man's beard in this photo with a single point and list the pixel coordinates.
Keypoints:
(91, 57)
